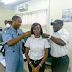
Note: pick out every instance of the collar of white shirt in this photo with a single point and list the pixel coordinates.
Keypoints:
(60, 31)
(37, 38)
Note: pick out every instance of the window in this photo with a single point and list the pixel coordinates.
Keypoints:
(32, 17)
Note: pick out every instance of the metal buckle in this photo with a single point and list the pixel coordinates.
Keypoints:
(36, 61)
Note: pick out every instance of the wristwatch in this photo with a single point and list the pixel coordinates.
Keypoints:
(40, 65)
(30, 62)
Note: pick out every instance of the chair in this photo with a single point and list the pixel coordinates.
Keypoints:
(2, 49)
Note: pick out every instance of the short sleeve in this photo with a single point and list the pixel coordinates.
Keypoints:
(6, 36)
(46, 44)
(27, 44)
(65, 37)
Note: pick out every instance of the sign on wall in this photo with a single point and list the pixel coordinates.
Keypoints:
(71, 14)
(66, 15)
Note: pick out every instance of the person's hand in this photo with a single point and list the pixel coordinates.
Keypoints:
(28, 33)
(35, 69)
(44, 35)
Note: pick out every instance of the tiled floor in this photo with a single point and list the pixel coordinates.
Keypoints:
(26, 68)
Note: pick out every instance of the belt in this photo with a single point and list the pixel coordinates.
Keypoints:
(36, 61)
(60, 57)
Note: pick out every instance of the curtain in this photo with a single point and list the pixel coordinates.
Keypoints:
(37, 16)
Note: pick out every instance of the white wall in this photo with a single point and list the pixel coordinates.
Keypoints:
(6, 13)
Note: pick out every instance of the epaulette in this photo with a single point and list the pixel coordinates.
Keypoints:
(6, 28)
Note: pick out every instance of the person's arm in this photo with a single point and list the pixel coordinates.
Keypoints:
(58, 41)
(54, 39)
(27, 57)
(14, 41)
(25, 38)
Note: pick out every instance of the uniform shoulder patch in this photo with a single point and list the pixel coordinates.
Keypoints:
(6, 28)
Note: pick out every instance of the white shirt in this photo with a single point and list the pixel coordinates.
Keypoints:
(37, 46)
(58, 50)
(7, 25)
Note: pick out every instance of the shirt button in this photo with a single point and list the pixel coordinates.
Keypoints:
(13, 51)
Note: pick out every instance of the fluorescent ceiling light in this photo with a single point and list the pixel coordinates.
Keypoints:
(8, 1)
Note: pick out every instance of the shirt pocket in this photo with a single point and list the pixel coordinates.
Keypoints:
(14, 35)
(11, 49)
(11, 56)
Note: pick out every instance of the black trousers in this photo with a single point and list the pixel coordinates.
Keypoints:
(35, 64)
(60, 64)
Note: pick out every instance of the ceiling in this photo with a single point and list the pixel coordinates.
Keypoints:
(14, 3)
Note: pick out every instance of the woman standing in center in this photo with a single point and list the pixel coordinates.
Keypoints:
(38, 49)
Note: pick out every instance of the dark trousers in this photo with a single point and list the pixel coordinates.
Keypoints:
(35, 64)
(60, 64)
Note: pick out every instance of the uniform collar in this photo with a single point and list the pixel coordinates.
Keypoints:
(37, 38)
(13, 28)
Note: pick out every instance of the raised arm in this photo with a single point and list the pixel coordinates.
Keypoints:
(58, 41)
(14, 41)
